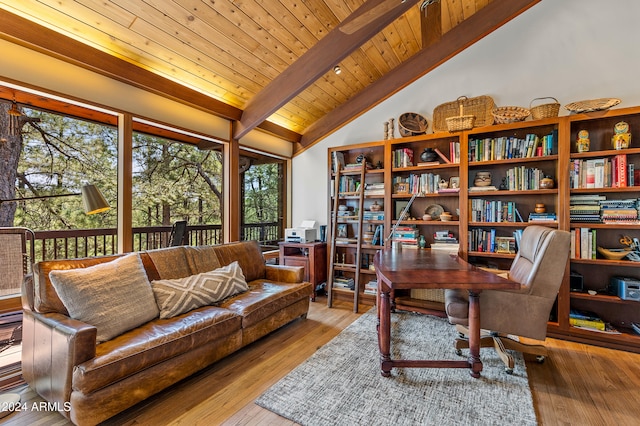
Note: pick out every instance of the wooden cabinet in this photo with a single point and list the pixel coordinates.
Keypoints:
(486, 222)
(311, 256)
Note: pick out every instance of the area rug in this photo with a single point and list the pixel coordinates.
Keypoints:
(341, 383)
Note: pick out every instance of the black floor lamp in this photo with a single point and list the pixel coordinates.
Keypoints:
(93, 200)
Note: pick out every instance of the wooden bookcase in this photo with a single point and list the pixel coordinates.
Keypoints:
(557, 163)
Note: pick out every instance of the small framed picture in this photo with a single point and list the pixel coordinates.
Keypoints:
(402, 188)
(505, 245)
(342, 230)
(454, 182)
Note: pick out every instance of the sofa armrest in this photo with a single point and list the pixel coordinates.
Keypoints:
(285, 274)
(52, 345)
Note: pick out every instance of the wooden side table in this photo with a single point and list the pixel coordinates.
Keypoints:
(311, 256)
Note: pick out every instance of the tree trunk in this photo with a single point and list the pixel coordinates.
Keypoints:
(10, 149)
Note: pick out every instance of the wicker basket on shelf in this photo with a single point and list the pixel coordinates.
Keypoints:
(412, 124)
(479, 107)
(510, 114)
(549, 110)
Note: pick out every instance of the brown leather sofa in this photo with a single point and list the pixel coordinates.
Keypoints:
(89, 382)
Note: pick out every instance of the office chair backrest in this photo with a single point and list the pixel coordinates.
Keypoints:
(541, 261)
(178, 234)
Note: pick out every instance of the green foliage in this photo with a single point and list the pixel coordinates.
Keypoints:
(262, 193)
(174, 181)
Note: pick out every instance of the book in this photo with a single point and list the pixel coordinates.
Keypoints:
(595, 324)
(337, 160)
(441, 155)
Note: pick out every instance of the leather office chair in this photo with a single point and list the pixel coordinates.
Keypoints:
(509, 315)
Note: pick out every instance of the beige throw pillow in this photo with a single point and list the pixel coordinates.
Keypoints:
(175, 297)
(113, 296)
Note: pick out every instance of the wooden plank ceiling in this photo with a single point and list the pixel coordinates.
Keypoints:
(257, 60)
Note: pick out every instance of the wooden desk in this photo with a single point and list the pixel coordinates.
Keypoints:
(411, 268)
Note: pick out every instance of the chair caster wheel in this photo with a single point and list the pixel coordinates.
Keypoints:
(508, 370)
(540, 359)
(459, 352)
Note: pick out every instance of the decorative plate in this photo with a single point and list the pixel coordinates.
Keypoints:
(434, 210)
(592, 105)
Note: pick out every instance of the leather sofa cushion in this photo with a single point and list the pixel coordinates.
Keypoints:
(202, 258)
(152, 343)
(45, 297)
(169, 263)
(264, 298)
(113, 296)
(248, 255)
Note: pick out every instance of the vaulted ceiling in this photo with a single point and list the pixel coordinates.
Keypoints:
(261, 63)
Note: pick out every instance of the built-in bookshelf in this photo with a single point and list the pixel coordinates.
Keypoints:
(535, 176)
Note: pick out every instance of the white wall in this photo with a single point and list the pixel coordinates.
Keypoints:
(569, 49)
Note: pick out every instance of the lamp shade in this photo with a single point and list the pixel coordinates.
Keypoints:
(93, 200)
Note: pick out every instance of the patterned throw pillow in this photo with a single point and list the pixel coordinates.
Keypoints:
(175, 297)
(113, 296)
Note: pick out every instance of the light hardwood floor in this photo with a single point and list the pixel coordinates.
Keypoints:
(577, 384)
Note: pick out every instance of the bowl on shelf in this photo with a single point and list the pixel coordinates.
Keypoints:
(613, 254)
(446, 217)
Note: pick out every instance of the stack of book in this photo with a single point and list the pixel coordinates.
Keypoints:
(343, 282)
(407, 235)
(445, 240)
(542, 217)
(619, 211)
(371, 287)
(374, 189)
(585, 208)
(585, 319)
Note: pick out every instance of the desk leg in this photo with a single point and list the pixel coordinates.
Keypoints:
(475, 363)
(384, 334)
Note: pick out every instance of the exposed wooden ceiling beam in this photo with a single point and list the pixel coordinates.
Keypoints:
(480, 24)
(365, 22)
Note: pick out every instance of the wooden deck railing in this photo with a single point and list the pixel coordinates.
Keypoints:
(76, 243)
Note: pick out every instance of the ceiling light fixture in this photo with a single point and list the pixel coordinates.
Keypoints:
(337, 69)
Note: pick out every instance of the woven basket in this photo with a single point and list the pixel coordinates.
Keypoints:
(412, 124)
(431, 294)
(479, 107)
(510, 114)
(592, 105)
(539, 112)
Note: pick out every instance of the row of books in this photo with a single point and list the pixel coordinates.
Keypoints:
(613, 172)
(522, 178)
(348, 184)
(583, 243)
(481, 210)
(502, 148)
(424, 183)
(483, 240)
